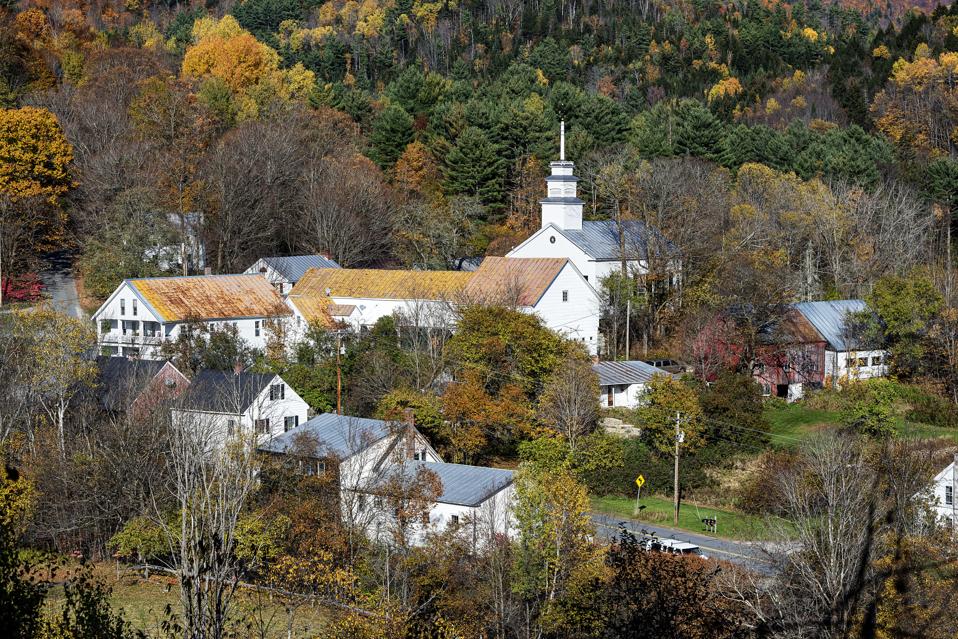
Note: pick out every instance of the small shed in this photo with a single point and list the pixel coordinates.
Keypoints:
(623, 384)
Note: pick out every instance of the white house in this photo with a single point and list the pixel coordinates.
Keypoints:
(552, 288)
(597, 248)
(943, 495)
(283, 272)
(143, 313)
(622, 384)
(847, 353)
(359, 297)
(476, 503)
(369, 454)
(224, 403)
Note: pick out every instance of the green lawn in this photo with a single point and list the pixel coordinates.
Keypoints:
(792, 424)
(658, 510)
(143, 602)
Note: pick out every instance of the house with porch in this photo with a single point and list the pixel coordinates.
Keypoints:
(141, 314)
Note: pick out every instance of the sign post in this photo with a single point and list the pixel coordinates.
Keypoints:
(639, 481)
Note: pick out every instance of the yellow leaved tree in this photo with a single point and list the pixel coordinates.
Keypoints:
(918, 108)
(224, 51)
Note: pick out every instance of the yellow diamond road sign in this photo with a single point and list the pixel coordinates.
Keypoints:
(639, 481)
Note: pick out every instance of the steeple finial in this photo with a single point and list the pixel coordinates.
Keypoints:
(562, 141)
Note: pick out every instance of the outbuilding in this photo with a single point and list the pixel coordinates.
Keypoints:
(623, 383)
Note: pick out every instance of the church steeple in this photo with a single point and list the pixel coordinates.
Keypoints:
(562, 207)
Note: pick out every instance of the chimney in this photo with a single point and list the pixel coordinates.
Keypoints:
(207, 270)
(408, 417)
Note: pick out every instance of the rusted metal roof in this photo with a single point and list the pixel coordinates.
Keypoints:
(379, 284)
(513, 280)
(210, 297)
(793, 328)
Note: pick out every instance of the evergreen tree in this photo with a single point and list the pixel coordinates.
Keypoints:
(652, 132)
(697, 131)
(604, 119)
(392, 131)
(475, 166)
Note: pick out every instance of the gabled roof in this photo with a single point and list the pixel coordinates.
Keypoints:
(380, 284)
(830, 319)
(792, 328)
(339, 436)
(224, 391)
(465, 485)
(600, 239)
(519, 280)
(209, 297)
(120, 380)
(626, 372)
(293, 267)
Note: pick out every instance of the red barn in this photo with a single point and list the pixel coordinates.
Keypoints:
(788, 358)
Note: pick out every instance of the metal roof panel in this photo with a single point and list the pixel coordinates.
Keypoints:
(830, 318)
(626, 372)
(210, 297)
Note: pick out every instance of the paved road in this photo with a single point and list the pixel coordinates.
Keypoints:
(61, 288)
(745, 553)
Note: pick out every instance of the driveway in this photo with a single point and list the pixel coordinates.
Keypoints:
(60, 285)
(746, 553)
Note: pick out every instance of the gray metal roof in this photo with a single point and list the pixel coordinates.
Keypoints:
(293, 267)
(627, 372)
(830, 319)
(600, 239)
(466, 485)
(224, 391)
(339, 436)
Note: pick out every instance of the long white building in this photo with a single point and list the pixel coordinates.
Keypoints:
(141, 314)
(551, 288)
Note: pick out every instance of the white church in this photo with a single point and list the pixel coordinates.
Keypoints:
(597, 248)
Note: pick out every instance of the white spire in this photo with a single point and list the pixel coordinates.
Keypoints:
(562, 141)
(562, 207)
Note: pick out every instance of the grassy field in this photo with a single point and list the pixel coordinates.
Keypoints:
(143, 602)
(658, 510)
(792, 424)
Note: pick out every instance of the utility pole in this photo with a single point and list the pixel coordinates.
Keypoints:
(339, 375)
(628, 316)
(679, 436)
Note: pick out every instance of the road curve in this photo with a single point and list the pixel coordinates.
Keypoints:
(744, 553)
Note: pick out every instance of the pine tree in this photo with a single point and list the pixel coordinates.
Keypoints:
(604, 119)
(392, 131)
(698, 131)
(475, 166)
